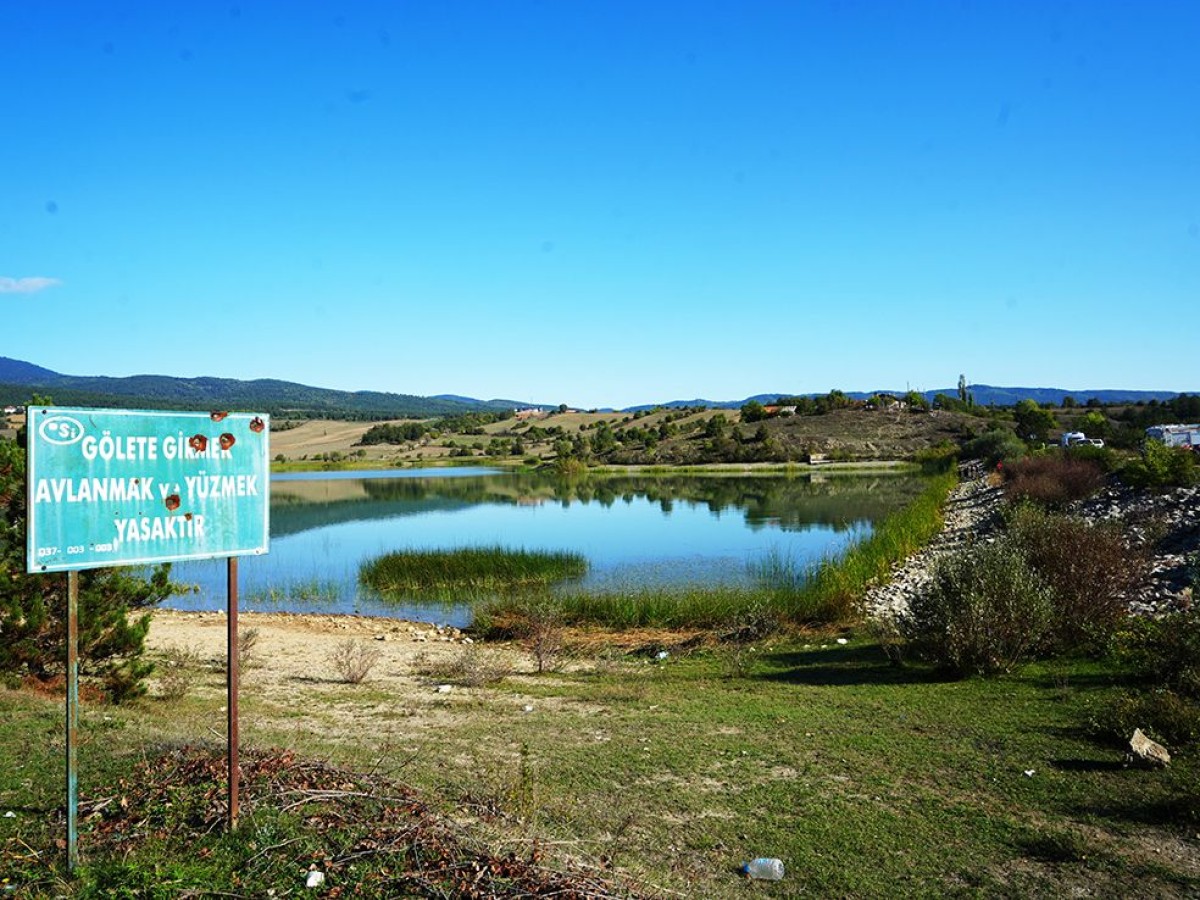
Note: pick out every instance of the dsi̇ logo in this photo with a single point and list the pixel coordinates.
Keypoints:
(62, 430)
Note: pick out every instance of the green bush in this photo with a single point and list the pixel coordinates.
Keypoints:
(1102, 457)
(1165, 651)
(937, 459)
(984, 611)
(1164, 715)
(1161, 466)
(1163, 656)
(999, 446)
(1087, 568)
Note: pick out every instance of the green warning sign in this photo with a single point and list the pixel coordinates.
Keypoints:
(112, 487)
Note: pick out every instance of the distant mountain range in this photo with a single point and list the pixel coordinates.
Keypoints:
(984, 394)
(20, 380)
(284, 399)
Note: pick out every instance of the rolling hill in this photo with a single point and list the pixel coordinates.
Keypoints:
(20, 380)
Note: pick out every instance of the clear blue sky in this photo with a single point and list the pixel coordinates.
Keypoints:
(604, 203)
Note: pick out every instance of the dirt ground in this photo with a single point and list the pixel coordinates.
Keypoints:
(425, 669)
(293, 648)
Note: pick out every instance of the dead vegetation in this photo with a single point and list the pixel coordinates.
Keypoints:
(360, 830)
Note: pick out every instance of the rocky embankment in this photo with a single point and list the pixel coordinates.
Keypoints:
(1168, 524)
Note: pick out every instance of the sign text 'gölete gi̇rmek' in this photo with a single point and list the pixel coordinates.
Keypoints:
(127, 487)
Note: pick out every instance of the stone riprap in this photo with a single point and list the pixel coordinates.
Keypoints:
(1167, 523)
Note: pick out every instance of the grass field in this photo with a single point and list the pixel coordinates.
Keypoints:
(661, 774)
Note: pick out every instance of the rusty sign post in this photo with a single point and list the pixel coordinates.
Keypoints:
(231, 678)
(72, 719)
(137, 487)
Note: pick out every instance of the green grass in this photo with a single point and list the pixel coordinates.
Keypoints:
(689, 607)
(837, 584)
(866, 779)
(470, 568)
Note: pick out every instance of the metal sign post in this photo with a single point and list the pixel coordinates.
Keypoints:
(110, 487)
(231, 666)
(72, 718)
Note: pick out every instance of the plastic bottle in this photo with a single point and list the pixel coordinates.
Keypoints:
(764, 868)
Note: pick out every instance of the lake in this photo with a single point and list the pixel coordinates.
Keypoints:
(644, 529)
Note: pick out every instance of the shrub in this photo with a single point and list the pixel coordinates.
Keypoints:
(1087, 568)
(125, 679)
(984, 611)
(546, 637)
(472, 667)
(1052, 480)
(995, 447)
(1165, 652)
(937, 459)
(177, 673)
(1164, 715)
(1161, 466)
(353, 660)
(1164, 657)
(1101, 456)
(247, 650)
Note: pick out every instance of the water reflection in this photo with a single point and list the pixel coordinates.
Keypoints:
(644, 529)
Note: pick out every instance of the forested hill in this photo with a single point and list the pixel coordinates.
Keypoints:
(19, 381)
(981, 394)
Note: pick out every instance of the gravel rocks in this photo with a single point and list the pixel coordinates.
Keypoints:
(972, 514)
(1167, 523)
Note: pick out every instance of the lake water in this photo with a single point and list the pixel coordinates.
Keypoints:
(633, 529)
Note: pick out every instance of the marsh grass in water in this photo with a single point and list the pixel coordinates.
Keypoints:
(690, 607)
(313, 594)
(785, 591)
(471, 568)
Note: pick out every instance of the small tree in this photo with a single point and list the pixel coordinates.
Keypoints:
(715, 427)
(753, 411)
(603, 439)
(33, 608)
(1033, 422)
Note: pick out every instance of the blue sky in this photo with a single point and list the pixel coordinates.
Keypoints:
(604, 203)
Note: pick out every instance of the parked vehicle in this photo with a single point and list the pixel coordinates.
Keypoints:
(1078, 438)
(1176, 435)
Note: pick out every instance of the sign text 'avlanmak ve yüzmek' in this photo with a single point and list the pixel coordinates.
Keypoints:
(127, 487)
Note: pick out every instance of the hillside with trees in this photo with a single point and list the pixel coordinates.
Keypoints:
(20, 380)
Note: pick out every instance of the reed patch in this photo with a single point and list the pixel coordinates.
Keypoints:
(471, 568)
